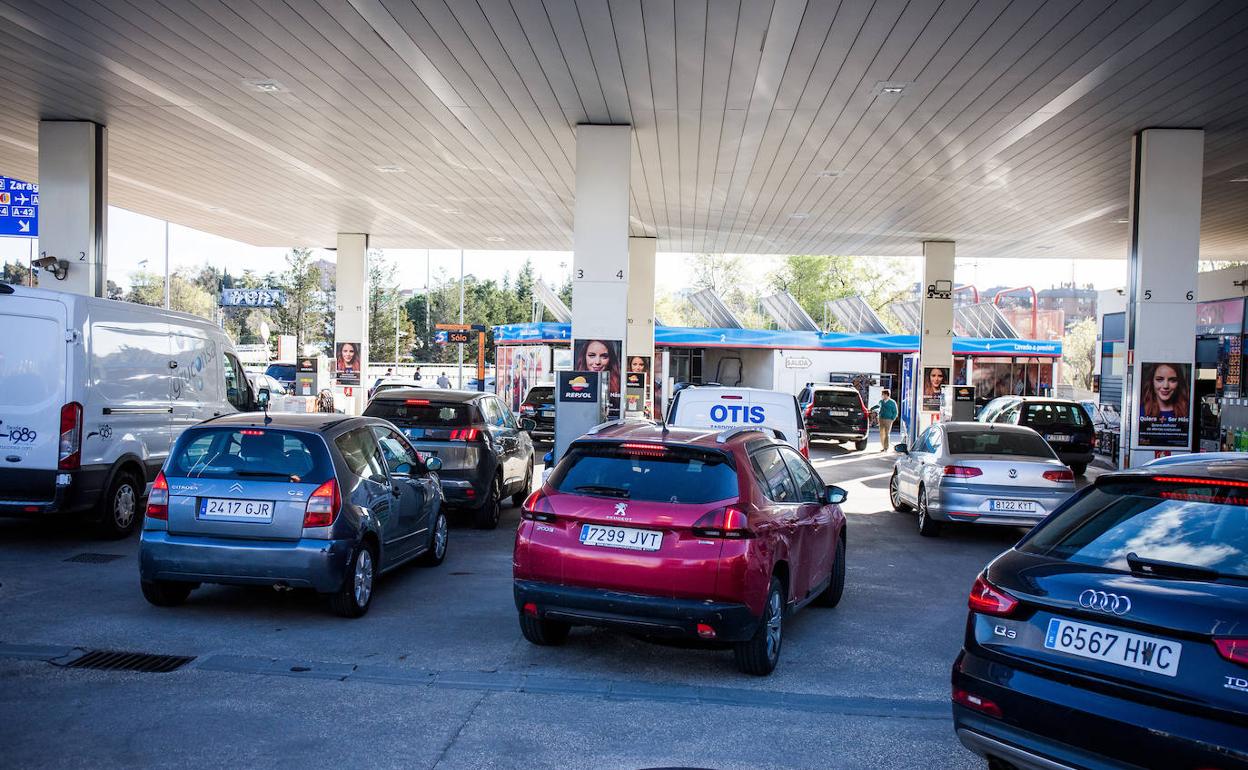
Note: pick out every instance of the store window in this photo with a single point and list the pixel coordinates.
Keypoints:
(992, 377)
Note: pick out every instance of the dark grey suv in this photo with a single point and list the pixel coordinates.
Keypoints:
(486, 452)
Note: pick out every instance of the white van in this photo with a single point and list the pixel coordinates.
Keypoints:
(93, 393)
(720, 408)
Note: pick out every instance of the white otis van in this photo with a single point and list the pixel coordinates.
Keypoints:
(93, 392)
(720, 408)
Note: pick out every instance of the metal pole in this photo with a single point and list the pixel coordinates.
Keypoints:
(428, 299)
(396, 333)
(166, 264)
(461, 317)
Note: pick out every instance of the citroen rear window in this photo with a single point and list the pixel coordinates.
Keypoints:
(644, 472)
(420, 411)
(1185, 522)
(263, 454)
(992, 442)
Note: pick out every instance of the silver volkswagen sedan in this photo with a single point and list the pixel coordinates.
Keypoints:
(978, 473)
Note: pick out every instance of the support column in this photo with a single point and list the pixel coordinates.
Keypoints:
(351, 320)
(1167, 170)
(73, 203)
(936, 338)
(600, 262)
(640, 341)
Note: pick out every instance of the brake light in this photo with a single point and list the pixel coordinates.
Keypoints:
(650, 450)
(417, 402)
(1200, 482)
(1234, 650)
(731, 398)
(538, 508)
(69, 454)
(158, 499)
(729, 523)
(465, 434)
(1063, 475)
(322, 505)
(990, 600)
(251, 432)
(962, 472)
(976, 702)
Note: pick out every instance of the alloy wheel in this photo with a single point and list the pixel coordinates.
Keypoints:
(440, 536)
(774, 620)
(363, 579)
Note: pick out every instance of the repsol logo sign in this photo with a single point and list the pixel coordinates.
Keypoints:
(738, 413)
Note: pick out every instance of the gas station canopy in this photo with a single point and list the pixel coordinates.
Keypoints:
(759, 127)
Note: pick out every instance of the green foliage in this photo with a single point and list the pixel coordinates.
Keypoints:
(185, 294)
(385, 308)
(814, 279)
(303, 313)
(16, 273)
(1079, 353)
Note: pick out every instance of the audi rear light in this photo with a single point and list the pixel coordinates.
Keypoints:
(538, 508)
(322, 505)
(1200, 482)
(990, 600)
(729, 523)
(158, 499)
(976, 702)
(69, 454)
(1063, 475)
(1235, 650)
(962, 472)
(465, 434)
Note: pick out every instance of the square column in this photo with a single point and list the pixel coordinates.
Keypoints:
(73, 203)
(936, 334)
(1167, 171)
(351, 322)
(640, 340)
(600, 248)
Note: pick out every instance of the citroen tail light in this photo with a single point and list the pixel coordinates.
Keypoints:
(729, 523)
(158, 499)
(990, 600)
(69, 453)
(323, 505)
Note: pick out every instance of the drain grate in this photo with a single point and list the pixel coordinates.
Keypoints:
(111, 660)
(95, 558)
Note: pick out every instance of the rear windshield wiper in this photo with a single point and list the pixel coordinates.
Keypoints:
(598, 489)
(1142, 565)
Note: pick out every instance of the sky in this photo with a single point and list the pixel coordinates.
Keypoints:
(137, 242)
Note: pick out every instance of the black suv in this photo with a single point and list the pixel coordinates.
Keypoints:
(539, 406)
(486, 452)
(1063, 423)
(1115, 633)
(834, 413)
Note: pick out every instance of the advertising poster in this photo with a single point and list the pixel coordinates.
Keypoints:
(601, 356)
(518, 368)
(347, 362)
(1165, 404)
(934, 378)
(907, 396)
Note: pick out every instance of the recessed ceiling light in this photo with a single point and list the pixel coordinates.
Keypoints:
(495, 238)
(1240, 179)
(799, 215)
(889, 88)
(214, 208)
(1122, 221)
(263, 85)
(450, 211)
(390, 169)
(829, 173)
(1044, 248)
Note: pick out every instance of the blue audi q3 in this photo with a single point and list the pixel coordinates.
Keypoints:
(1115, 634)
(325, 502)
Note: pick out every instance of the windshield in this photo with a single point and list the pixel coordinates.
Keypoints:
(1185, 523)
(421, 412)
(670, 475)
(998, 443)
(239, 453)
(540, 396)
(1042, 414)
(836, 398)
(281, 371)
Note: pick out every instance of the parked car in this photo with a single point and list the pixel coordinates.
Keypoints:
(1062, 422)
(92, 393)
(392, 383)
(539, 406)
(679, 532)
(263, 382)
(1115, 633)
(979, 474)
(720, 408)
(486, 453)
(283, 373)
(299, 500)
(835, 413)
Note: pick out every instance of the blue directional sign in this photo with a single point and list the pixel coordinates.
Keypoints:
(19, 208)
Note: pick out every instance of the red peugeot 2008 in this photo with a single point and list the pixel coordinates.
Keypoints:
(679, 532)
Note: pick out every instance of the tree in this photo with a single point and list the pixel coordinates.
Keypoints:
(385, 306)
(1079, 354)
(301, 315)
(814, 279)
(185, 294)
(16, 273)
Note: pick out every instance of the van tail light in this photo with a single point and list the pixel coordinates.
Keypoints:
(538, 508)
(69, 454)
(962, 472)
(976, 703)
(1234, 650)
(158, 499)
(322, 505)
(465, 434)
(990, 600)
(1062, 475)
(729, 523)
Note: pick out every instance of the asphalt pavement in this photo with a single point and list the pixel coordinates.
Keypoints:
(438, 676)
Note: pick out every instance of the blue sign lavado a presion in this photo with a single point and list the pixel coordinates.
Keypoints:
(19, 208)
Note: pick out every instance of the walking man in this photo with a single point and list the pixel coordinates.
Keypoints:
(887, 411)
(444, 381)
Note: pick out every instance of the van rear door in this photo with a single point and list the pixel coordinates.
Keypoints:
(33, 388)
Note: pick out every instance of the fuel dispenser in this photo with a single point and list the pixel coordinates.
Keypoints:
(311, 374)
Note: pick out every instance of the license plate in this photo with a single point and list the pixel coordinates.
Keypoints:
(235, 510)
(1146, 653)
(839, 414)
(621, 537)
(1058, 437)
(1017, 506)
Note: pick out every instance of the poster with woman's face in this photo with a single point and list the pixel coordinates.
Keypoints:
(934, 378)
(347, 363)
(596, 355)
(1165, 404)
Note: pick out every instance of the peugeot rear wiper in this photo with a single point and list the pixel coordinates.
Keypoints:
(1142, 565)
(599, 489)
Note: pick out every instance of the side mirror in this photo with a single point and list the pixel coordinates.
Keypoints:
(835, 495)
(549, 458)
(905, 450)
(434, 464)
(262, 398)
(527, 425)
